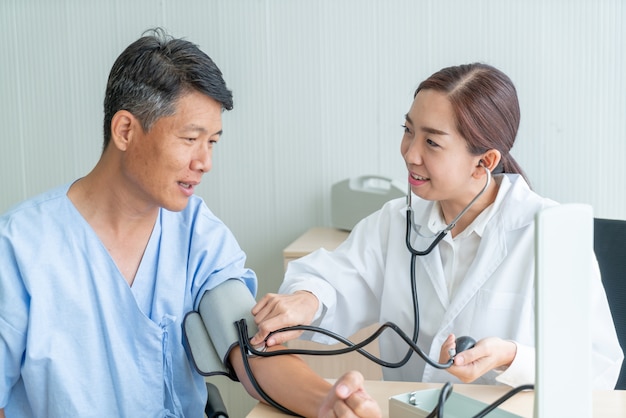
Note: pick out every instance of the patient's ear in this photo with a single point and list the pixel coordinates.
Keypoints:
(124, 127)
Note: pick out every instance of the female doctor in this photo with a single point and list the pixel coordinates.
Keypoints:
(477, 281)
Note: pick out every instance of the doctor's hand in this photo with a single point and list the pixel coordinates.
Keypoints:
(348, 399)
(276, 311)
(488, 354)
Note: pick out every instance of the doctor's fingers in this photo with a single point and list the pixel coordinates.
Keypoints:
(265, 303)
(475, 362)
(469, 367)
(492, 350)
(280, 311)
(272, 324)
(295, 309)
(444, 353)
(297, 304)
(268, 308)
(469, 373)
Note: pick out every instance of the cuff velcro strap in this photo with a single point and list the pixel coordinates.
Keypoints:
(211, 332)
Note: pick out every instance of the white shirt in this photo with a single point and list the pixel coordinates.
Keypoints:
(457, 253)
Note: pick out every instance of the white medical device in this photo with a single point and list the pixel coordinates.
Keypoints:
(355, 198)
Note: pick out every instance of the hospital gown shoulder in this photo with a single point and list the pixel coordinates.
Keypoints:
(33, 213)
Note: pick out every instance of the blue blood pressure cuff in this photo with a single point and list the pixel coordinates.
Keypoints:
(211, 331)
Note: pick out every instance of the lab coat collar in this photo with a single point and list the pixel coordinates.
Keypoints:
(513, 188)
(517, 216)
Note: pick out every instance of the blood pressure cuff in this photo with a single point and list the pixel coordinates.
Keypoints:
(211, 331)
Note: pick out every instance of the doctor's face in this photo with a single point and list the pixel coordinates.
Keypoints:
(436, 155)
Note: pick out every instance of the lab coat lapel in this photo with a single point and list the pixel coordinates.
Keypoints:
(434, 270)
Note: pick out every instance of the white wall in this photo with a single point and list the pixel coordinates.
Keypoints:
(320, 91)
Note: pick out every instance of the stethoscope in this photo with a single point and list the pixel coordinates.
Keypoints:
(462, 343)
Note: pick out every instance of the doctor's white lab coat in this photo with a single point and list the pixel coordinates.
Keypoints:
(367, 280)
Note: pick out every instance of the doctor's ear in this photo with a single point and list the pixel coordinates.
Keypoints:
(489, 160)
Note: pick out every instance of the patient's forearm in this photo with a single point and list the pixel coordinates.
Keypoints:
(286, 379)
(2, 413)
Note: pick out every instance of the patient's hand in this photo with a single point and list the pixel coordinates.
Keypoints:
(348, 398)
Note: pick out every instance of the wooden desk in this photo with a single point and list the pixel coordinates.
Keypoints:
(313, 239)
(332, 366)
(606, 404)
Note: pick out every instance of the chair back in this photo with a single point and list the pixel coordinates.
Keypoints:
(610, 248)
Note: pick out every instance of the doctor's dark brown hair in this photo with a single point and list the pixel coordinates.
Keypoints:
(152, 73)
(486, 109)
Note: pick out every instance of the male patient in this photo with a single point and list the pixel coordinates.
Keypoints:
(97, 275)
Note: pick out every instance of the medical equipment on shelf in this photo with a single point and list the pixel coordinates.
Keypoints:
(355, 198)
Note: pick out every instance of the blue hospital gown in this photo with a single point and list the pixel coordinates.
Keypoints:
(76, 340)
